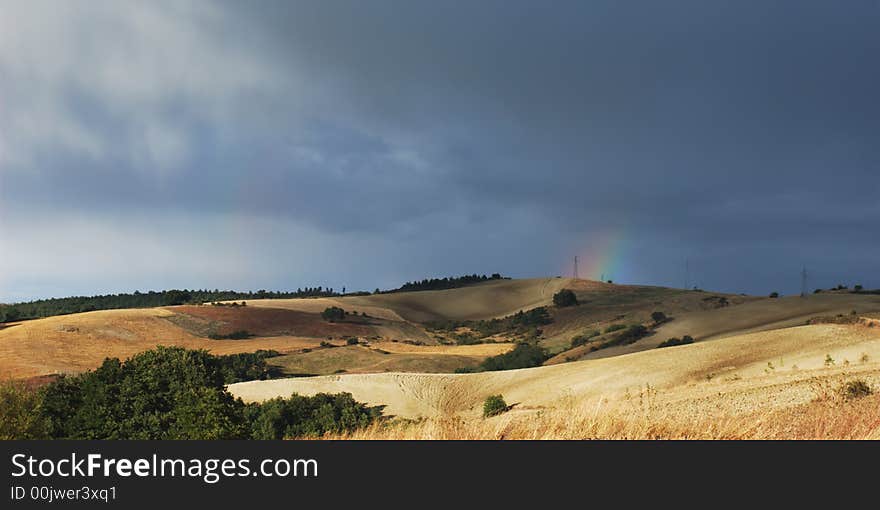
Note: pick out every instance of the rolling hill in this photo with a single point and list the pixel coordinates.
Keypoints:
(751, 353)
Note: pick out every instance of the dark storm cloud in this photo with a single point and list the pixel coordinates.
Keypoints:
(736, 134)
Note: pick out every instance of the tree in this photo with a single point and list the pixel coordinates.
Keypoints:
(174, 393)
(166, 393)
(659, 317)
(19, 413)
(333, 314)
(494, 405)
(774, 295)
(565, 297)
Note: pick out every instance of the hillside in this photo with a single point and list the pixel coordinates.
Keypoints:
(487, 300)
(735, 375)
(388, 322)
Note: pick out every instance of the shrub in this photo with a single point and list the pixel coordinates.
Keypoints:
(583, 338)
(659, 317)
(333, 314)
(352, 340)
(20, 416)
(494, 405)
(521, 323)
(858, 288)
(856, 389)
(522, 356)
(774, 295)
(235, 335)
(467, 339)
(565, 297)
(631, 334)
(300, 416)
(687, 339)
(615, 327)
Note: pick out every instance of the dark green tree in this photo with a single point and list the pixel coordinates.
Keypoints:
(565, 297)
(333, 314)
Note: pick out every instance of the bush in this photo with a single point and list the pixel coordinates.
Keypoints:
(774, 295)
(494, 405)
(235, 335)
(333, 314)
(659, 317)
(352, 340)
(615, 327)
(522, 356)
(631, 334)
(583, 338)
(521, 323)
(20, 416)
(856, 389)
(565, 297)
(687, 339)
(300, 416)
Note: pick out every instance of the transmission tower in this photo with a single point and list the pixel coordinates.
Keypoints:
(687, 273)
(575, 274)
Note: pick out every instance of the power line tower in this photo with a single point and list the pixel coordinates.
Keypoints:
(575, 274)
(687, 273)
(804, 282)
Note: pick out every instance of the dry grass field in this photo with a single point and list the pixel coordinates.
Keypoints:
(736, 382)
(755, 371)
(386, 357)
(474, 302)
(837, 419)
(78, 342)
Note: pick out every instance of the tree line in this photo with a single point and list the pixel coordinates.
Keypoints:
(442, 283)
(62, 306)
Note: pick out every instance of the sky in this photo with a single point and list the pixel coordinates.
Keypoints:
(276, 145)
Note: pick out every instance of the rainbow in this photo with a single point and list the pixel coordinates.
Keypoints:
(603, 257)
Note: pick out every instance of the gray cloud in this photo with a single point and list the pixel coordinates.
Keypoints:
(443, 138)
